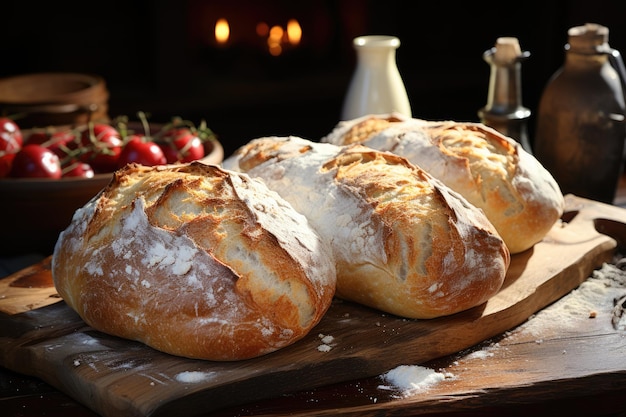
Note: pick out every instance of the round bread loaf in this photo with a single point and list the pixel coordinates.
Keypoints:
(493, 172)
(194, 261)
(404, 243)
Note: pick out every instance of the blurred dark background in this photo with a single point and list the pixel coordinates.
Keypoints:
(161, 57)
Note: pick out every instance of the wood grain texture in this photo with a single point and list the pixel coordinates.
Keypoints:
(116, 377)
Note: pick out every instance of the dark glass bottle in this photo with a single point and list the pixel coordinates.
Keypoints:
(580, 122)
(504, 110)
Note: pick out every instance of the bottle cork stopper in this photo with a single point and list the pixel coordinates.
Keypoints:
(588, 38)
(507, 50)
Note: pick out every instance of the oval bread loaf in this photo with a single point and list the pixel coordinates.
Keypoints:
(404, 243)
(194, 261)
(518, 195)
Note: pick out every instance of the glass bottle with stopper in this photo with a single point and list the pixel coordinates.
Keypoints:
(581, 124)
(504, 111)
(376, 86)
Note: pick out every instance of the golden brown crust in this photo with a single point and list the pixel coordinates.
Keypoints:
(404, 242)
(518, 195)
(194, 261)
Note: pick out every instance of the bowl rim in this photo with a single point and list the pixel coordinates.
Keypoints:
(89, 84)
(16, 180)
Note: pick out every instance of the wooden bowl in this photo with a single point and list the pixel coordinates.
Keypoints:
(34, 211)
(54, 99)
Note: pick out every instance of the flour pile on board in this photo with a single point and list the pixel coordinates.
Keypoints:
(191, 377)
(601, 296)
(412, 379)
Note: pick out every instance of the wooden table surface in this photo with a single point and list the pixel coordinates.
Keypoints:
(511, 375)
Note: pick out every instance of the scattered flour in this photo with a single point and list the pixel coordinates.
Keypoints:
(602, 295)
(480, 354)
(598, 297)
(412, 379)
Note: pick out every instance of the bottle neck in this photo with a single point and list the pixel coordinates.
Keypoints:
(504, 110)
(376, 51)
(588, 54)
(505, 87)
(377, 56)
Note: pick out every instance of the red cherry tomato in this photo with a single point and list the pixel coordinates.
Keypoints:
(103, 145)
(140, 150)
(11, 139)
(6, 160)
(181, 144)
(35, 161)
(78, 169)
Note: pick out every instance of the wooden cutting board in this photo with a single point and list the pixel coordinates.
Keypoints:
(41, 336)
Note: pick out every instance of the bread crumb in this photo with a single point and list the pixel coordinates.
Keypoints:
(326, 342)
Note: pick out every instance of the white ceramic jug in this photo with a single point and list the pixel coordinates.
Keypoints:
(376, 86)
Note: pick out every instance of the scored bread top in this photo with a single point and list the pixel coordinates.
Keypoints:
(404, 242)
(518, 195)
(194, 261)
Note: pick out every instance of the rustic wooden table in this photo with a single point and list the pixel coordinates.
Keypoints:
(577, 367)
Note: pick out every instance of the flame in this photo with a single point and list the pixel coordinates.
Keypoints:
(274, 39)
(222, 31)
(294, 32)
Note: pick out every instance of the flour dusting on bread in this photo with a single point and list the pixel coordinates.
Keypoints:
(195, 261)
(404, 243)
(518, 195)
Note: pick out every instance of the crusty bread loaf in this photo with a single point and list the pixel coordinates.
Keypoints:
(518, 195)
(404, 243)
(194, 261)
